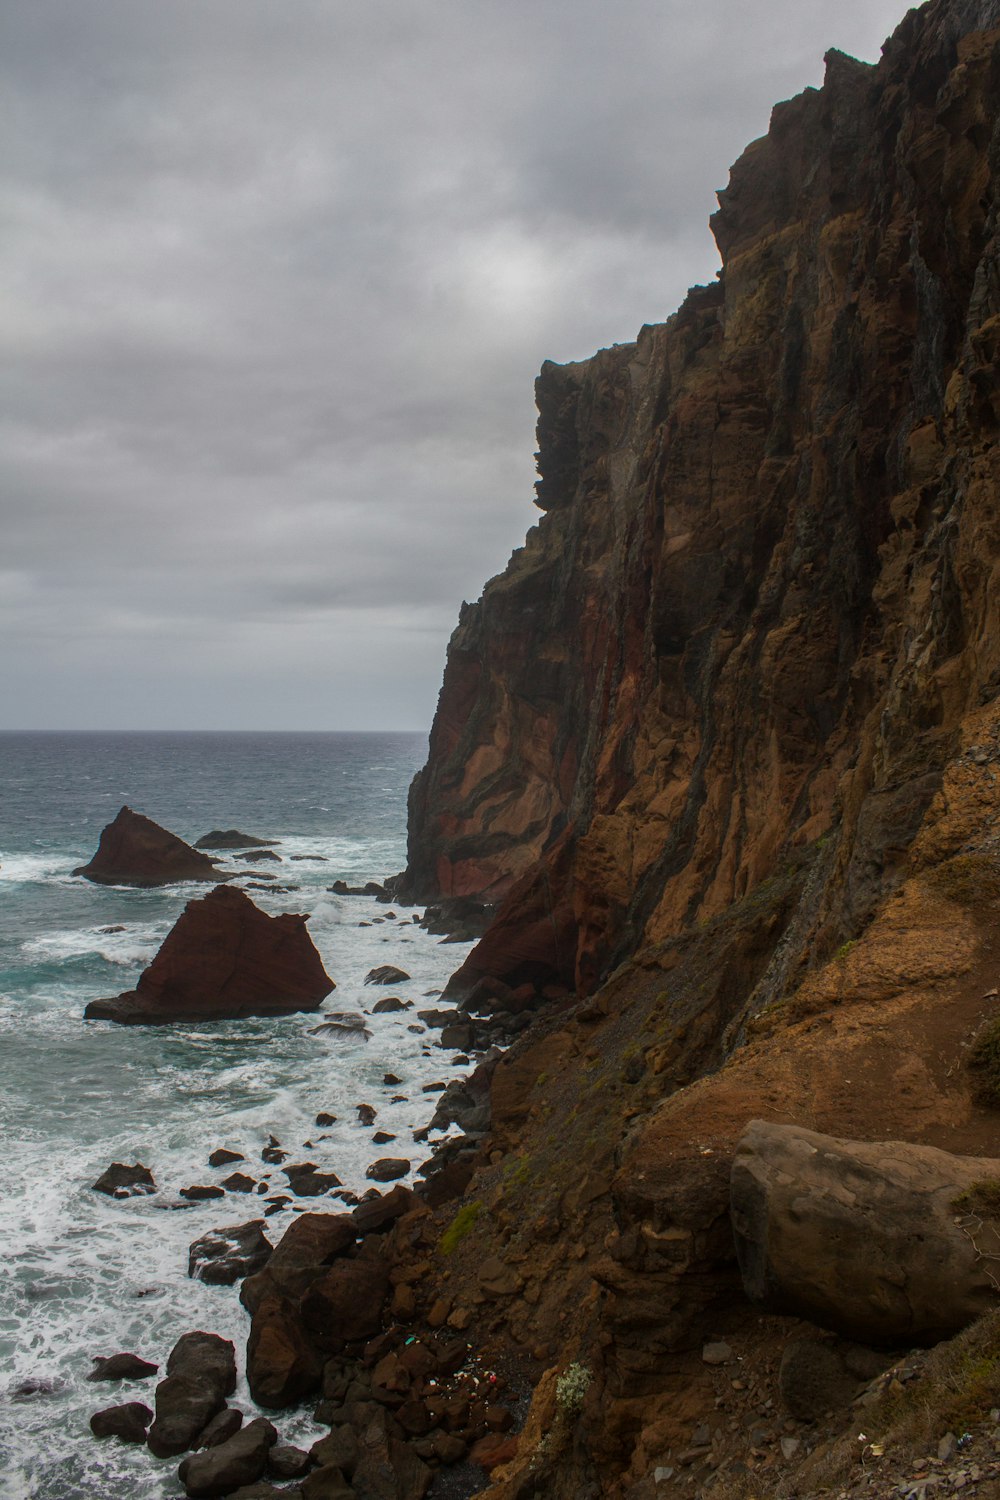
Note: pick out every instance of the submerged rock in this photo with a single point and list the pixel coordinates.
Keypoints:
(386, 974)
(121, 1181)
(122, 1367)
(127, 1422)
(133, 850)
(232, 838)
(224, 1256)
(224, 958)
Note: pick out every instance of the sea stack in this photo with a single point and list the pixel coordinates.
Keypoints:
(223, 959)
(133, 850)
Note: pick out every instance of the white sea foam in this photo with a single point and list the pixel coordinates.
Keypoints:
(88, 1275)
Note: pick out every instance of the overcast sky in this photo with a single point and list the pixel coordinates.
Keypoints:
(276, 280)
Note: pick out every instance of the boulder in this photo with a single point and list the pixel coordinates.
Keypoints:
(224, 1256)
(127, 1422)
(242, 1459)
(201, 1373)
(239, 1182)
(288, 1462)
(255, 856)
(306, 1180)
(310, 1244)
(282, 1365)
(327, 1483)
(201, 1192)
(344, 1304)
(370, 888)
(387, 1469)
(863, 1238)
(386, 974)
(223, 1157)
(390, 1004)
(379, 1213)
(133, 850)
(224, 958)
(388, 1168)
(232, 838)
(122, 1367)
(222, 1427)
(121, 1181)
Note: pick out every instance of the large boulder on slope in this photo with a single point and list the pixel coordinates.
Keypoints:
(282, 1364)
(133, 850)
(861, 1237)
(310, 1244)
(224, 958)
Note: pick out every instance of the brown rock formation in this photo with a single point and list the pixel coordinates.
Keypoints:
(224, 958)
(133, 850)
(762, 592)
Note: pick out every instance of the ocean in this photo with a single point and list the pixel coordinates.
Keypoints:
(82, 1275)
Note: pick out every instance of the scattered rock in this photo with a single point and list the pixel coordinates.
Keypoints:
(222, 1157)
(122, 1367)
(221, 1428)
(326, 1119)
(306, 1181)
(379, 1212)
(224, 957)
(232, 838)
(199, 1192)
(388, 1168)
(127, 1422)
(367, 1114)
(813, 1379)
(201, 1373)
(240, 1460)
(255, 856)
(386, 974)
(717, 1354)
(370, 888)
(390, 1004)
(239, 1182)
(121, 1181)
(224, 1256)
(282, 1364)
(133, 850)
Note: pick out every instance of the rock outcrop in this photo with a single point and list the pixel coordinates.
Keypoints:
(133, 850)
(224, 958)
(867, 1239)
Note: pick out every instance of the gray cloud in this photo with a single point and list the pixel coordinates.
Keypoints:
(276, 282)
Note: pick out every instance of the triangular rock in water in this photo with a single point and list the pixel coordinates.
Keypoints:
(133, 850)
(224, 958)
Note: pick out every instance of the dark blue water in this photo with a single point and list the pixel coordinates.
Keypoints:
(84, 1275)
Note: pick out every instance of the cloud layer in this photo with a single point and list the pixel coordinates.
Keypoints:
(276, 281)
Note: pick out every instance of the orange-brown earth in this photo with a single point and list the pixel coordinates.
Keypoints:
(724, 744)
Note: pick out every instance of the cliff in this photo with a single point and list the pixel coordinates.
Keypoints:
(761, 595)
(722, 743)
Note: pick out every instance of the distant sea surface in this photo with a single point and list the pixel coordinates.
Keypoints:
(81, 1274)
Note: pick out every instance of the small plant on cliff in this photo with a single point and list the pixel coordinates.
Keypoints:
(459, 1227)
(982, 1199)
(984, 1064)
(571, 1387)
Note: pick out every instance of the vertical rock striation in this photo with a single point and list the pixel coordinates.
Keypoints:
(763, 590)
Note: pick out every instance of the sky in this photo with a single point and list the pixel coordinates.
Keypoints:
(276, 278)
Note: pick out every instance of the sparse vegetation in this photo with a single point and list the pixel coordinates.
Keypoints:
(571, 1387)
(982, 1199)
(460, 1226)
(845, 949)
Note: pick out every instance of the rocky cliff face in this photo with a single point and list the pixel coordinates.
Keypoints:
(723, 742)
(762, 593)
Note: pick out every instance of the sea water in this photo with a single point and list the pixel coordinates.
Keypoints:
(83, 1275)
